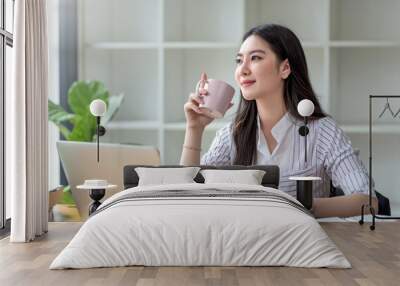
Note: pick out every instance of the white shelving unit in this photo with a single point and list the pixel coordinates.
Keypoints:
(154, 51)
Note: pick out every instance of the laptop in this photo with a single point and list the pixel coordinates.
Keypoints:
(79, 160)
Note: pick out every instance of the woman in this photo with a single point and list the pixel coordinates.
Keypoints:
(273, 78)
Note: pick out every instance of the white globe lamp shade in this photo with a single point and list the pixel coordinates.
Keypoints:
(305, 107)
(98, 107)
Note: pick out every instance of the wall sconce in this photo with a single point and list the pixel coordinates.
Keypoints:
(305, 109)
(98, 108)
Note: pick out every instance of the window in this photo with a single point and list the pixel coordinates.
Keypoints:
(6, 44)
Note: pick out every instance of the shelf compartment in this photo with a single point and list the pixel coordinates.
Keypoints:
(315, 64)
(133, 125)
(184, 20)
(385, 161)
(364, 44)
(215, 125)
(376, 129)
(120, 20)
(365, 20)
(182, 72)
(133, 73)
(358, 73)
(200, 45)
(173, 147)
(306, 18)
(134, 137)
(123, 45)
(174, 141)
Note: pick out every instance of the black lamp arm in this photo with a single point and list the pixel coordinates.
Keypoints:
(100, 130)
(303, 131)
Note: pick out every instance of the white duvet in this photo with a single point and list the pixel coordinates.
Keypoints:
(182, 231)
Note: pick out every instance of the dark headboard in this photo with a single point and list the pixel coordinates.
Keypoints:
(270, 179)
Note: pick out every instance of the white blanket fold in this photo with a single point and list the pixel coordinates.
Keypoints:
(201, 224)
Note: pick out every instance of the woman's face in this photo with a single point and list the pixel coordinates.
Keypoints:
(258, 71)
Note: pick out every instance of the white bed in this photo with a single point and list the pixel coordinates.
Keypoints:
(249, 225)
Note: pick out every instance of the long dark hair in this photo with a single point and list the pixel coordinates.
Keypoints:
(297, 86)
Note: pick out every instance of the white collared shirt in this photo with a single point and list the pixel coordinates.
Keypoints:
(329, 155)
(281, 154)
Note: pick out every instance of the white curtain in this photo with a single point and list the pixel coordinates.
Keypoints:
(53, 33)
(27, 123)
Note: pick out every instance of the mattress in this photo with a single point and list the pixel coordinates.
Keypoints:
(201, 225)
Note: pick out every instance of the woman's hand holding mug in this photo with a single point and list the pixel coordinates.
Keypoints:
(194, 116)
(201, 111)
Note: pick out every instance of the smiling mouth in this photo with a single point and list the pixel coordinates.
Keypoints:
(248, 83)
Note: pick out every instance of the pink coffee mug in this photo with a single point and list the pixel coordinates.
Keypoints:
(219, 96)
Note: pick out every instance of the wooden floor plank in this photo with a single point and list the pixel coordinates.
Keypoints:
(374, 255)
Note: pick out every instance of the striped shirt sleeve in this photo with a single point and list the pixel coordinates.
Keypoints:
(219, 153)
(341, 164)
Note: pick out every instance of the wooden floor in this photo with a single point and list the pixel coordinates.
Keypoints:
(374, 255)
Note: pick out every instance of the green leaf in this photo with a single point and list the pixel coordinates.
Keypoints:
(114, 102)
(57, 114)
(82, 93)
(84, 129)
